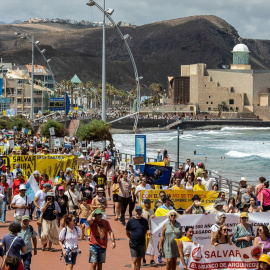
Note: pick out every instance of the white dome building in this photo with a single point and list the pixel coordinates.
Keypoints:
(241, 56)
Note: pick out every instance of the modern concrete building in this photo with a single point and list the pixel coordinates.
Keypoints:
(240, 87)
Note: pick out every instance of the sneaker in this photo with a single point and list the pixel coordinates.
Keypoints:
(159, 259)
(109, 199)
(9, 207)
(153, 263)
(123, 223)
(144, 262)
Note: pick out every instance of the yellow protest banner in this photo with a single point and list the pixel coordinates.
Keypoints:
(181, 198)
(49, 164)
(157, 163)
(2, 149)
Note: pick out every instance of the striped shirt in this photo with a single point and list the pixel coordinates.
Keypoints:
(124, 188)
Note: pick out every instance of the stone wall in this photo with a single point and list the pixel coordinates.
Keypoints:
(262, 112)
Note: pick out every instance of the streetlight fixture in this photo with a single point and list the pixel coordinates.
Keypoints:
(126, 37)
(43, 51)
(110, 11)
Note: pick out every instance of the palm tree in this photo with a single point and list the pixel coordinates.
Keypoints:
(89, 93)
(157, 89)
(71, 87)
(223, 107)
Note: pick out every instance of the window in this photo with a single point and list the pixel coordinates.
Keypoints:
(231, 101)
(209, 108)
(236, 108)
(211, 102)
(206, 102)
(209, 96)
(19, 92)
(231, 108)
(19, 100)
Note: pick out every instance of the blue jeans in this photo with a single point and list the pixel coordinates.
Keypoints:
(186, 263)
(26, 258)
(38, 214)
(4, 209)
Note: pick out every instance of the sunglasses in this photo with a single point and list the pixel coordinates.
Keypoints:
(74, 220)
(224, 217)
(173, 215)
(225, 230)
(72, 185)
(260, 230)
(244, 217)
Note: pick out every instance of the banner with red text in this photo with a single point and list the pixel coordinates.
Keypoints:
(227, 257)
(202, 225)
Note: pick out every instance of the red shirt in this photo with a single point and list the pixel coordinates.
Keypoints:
(44, 182)
(16, 185)
(5, 185)
(99, 233)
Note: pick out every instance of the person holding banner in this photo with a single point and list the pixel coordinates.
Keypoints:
(220, 218)
(263, 237)
(222, 236)
(243, 233)
(196, 207)
(184, 247)
(172, 230)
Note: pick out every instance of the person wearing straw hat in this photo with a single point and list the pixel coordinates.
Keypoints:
(264, 262)
(218, 206)
(159, 156)
(241, 190)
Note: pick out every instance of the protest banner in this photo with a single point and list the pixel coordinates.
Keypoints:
(49, 164)
(202, 225)
(122, 166)
(227, 257)
(181, 198)
(157, 175)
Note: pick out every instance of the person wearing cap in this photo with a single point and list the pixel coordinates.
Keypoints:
(39, 199)
(17, 182)
(195, 207)
(220, 218)
(159, 156)
(241, 190)
(218, 206)
(136, 229)
(264, 262)
(21, 203)
(199, 185)
(199, 172)
(49, 228)
(100, 200)
(27, 234)
(243, 233)
(100, 228)
(148, 214)
(74, 199)
(62, 201)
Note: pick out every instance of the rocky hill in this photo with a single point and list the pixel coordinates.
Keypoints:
(158, 48)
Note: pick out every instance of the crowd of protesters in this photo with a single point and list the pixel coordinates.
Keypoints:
(69, 208)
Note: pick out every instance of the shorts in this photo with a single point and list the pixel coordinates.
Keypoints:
(84, 221)
(137, 252)
(115, 198)
(9, 192)
(266, 208)
(97, 254)
(71, 257)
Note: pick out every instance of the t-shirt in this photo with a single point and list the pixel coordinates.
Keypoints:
(16, 247)
(199, 187)
(139, 188)
(76, 197)
(247, 198)
(87, 191)
(85, 210)
(10, 179)
(70, 238)
(18, 200)
(16, 185)
(100, 180)
(27, 236)
(99, 233)
(138, 229)
(180, 175)
(266, 197)
(41, 197)
(62, 202)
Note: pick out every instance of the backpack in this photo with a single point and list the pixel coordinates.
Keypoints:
(66, 232)
(106, 156)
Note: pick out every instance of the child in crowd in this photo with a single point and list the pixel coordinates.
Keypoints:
(85, 211)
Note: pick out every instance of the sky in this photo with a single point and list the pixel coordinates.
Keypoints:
(249, 17)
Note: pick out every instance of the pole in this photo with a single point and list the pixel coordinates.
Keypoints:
(178, 143)
(104, 74)
(16, 107)
(32, 81)
(114, 103)
(42, 106)
(162, 106)
(65, 110)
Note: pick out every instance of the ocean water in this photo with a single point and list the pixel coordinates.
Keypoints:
(246, 149)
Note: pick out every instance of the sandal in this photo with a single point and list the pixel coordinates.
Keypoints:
(50, 249)
(116, 219)
(43, 248)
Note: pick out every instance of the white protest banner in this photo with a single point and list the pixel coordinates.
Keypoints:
(226, 257)
(122, 166)
(52, 132)
(202, 225)
(57, 143)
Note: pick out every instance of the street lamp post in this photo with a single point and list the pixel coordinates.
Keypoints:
(32, 80)
(114, 103)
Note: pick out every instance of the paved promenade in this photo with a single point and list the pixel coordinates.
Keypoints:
(118, 258)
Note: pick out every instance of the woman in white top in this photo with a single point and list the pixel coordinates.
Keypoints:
(220, 218)
(110, 173)
(189, 184)
(68, 240)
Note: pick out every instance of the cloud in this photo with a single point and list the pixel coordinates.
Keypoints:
(249, 17)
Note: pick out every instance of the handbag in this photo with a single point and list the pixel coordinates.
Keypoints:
(39, 221)
(76, 207)
(4, 261)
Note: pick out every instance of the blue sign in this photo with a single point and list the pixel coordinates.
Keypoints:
(1, 86)
(140, 148)
(67, 104)
(157, 175)
(58, 104)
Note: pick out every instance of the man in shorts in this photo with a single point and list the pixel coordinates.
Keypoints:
(136, 229)
(100, 228)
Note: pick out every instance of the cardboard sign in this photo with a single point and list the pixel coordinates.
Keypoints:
(52, 132)
(138, 160)
(122, 166)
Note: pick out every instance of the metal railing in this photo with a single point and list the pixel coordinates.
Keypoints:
(226, 185)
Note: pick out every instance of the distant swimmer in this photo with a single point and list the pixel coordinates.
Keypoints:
(195, 152)
(205, 159)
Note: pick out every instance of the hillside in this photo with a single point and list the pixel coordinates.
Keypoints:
(158, 48)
